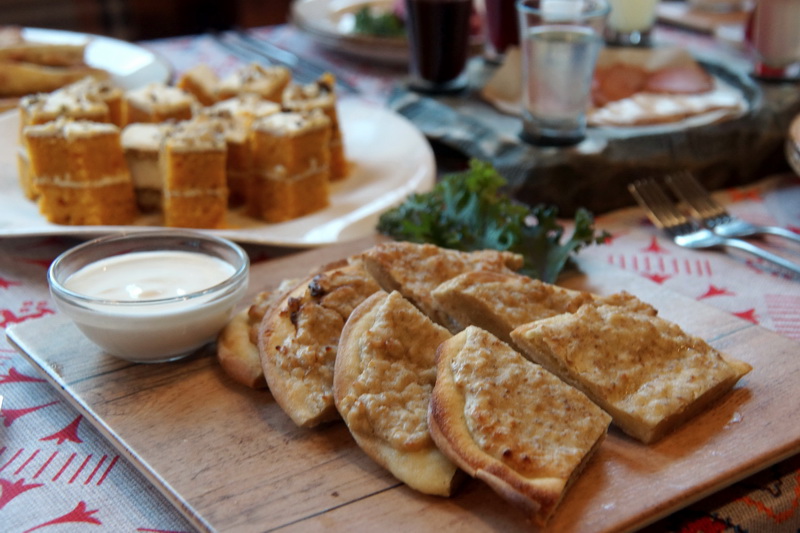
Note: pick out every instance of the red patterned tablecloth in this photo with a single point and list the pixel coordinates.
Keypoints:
(57, 473)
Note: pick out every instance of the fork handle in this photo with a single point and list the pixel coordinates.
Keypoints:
(780, 232)
(763, 254)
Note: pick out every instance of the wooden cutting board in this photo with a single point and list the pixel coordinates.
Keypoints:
(230, 460)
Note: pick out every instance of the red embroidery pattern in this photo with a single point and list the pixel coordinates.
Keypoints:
(654, 247)
(28, 311)
(32, 466)
(749, 315)
(15, 376)
(44, 263)
(6, 283)
(713, 290)
(707, 524)
(738, 195)
(78, 514)
(9, 490)
(776, 516)
(660, 267)
(69, 433)
(11, 415)
(785, 310)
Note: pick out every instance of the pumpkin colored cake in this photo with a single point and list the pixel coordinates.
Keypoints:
(192, 161)
(79, 170)
(157, 102)
(237, 115)
(291, 158)
(266, 82)
(141, 144)
(321, 95)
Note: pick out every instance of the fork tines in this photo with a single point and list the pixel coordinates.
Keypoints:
(659, 207)
(688, 190)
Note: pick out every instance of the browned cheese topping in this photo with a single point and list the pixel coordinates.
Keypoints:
(638, 362)
(521, 414)
(319, 317)
(391, 395)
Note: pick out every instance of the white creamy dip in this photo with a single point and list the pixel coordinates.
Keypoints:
(149, 275)
(153, 306)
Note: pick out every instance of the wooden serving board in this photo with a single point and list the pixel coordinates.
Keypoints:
(231, 460)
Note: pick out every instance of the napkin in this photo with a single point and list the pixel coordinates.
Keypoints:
(504, 88)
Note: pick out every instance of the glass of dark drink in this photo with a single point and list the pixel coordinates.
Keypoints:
(438, 36)
(501, 28)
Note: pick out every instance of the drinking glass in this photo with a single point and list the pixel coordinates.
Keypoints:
(630, 22)
(438, 34)
(775, 38)
(501, 28)
(560, 42)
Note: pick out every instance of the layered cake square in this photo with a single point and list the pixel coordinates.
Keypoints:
(80, 173)
(291, 165)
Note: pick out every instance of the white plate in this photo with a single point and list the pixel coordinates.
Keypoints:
(390, 159)
(130, 65)
(329, 22)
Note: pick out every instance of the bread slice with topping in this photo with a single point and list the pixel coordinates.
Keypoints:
(501, 301)
(510, 422)
(646, 372)
(299, 338)
(237, 344)
(415, 270)
(384, 374)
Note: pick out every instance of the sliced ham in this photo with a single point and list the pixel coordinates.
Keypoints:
(684, 79)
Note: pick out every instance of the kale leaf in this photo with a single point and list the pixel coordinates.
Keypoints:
(467, 211)
(388, 24)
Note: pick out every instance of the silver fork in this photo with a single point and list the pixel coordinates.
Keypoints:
(713, 215)
(686, 232)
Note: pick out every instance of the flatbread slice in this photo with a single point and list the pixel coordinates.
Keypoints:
(511, 423)
(501, 301)
(299, 339)
(237, 344)
(415, 270)
(646, 372)
(385, 371)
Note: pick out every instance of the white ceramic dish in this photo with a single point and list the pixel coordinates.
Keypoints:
(390, 159)
(329, 23)
(180, 303)
(130, 65)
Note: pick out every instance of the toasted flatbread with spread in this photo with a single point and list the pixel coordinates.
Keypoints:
(646, 372)
(501, 301)
(385, 371)
(510, 422)
(299, 339)
(237, 344)
(18, 79)
(415, 270)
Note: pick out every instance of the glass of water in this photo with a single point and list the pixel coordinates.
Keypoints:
(560, 42)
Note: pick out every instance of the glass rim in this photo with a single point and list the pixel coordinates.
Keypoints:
(76, 298)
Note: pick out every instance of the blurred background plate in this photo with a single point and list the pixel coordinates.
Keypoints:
(330, 22)
(130, 65)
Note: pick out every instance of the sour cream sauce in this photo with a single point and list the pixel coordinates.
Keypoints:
(141, 276)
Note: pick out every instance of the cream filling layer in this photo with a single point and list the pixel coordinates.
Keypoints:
(196, 193)
(278, 172)
(66, 182)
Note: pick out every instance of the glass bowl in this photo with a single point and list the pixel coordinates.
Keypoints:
(150, 296)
